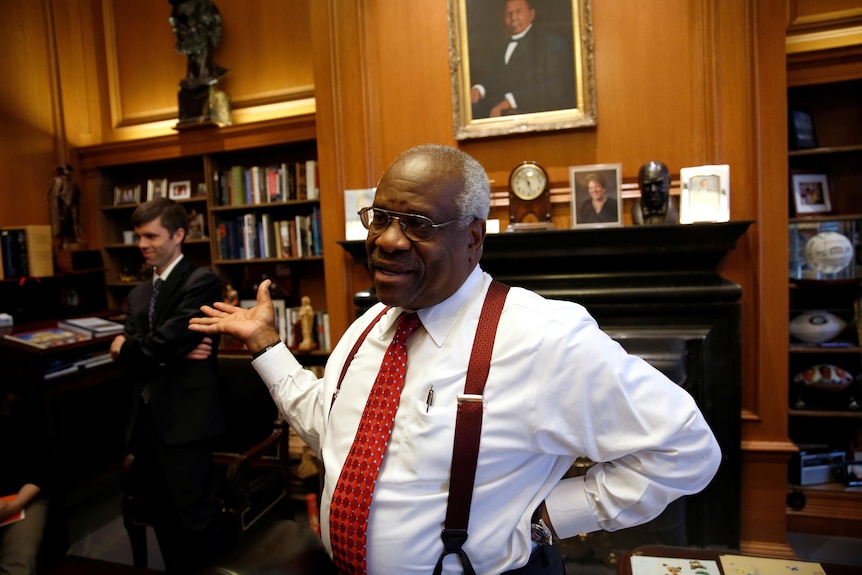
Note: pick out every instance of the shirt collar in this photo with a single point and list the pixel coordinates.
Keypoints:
(439, 320)
(520, 35)
(164, 275)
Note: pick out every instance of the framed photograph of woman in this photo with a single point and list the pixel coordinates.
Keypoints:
(596, 200)
(521, 66)
(811, 194)
(157, 189)
(180, 190)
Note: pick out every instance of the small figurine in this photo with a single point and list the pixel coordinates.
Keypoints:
(306, 320)
(231, 296)
(64, 198)
(654, 205)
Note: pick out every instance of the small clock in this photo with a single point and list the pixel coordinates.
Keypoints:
(529, 198)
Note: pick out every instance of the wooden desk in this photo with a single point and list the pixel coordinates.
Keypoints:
(83, 413)
(624, 567)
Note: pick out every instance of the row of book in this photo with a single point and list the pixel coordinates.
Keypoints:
(26, 251)
(257, 236)
(242, 186)
(290, 328)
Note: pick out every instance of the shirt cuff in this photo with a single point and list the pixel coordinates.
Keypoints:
(569, 509)
(275, 363)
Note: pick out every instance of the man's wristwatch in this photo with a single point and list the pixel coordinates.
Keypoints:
(540, 533)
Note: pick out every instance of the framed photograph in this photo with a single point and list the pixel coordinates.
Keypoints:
(853, 473)
(811, 194)
(596, 199)
(202, 189)
(527, 72)
(180, 190)
(355, 200)
(704, 194)
(802, 134)
(157, 189)
(128, 194)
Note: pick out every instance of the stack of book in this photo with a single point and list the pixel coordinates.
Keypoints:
(95, 326)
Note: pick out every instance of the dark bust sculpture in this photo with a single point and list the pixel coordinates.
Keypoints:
(197, 25)
(654, 205)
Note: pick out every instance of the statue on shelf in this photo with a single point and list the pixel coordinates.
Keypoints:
(64, 200)
(197, 25)
(306, 320)
(655, 205)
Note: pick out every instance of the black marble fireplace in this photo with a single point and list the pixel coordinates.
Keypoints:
(657, 290)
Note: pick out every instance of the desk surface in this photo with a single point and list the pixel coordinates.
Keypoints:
(624, 566)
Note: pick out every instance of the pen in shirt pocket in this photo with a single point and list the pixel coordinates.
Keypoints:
(429, 399)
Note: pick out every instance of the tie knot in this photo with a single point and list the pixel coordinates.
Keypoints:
(407, 324)
(158, 283)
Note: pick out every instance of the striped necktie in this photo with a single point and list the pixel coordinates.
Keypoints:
(156, 287)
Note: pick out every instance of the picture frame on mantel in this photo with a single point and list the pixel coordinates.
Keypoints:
(498, 90)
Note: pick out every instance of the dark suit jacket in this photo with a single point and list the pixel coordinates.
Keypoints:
(185, 395)
(540, 75)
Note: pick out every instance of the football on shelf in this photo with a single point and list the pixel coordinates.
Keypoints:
(824, 376)
(816, 326)
(828, 252)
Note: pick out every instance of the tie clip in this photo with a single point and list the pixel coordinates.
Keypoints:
(469, 398)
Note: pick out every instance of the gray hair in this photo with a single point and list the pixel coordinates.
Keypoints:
(474, 201)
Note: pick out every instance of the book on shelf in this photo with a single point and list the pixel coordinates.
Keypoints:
(12, 518)
(49, 337)
(94, 325)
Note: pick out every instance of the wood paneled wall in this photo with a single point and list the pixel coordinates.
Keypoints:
(686, 82)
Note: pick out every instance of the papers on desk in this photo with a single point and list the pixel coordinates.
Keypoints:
(756, 565)
(643, 565)
(730, 564)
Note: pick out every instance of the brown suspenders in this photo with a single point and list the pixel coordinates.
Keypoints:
(468, 425)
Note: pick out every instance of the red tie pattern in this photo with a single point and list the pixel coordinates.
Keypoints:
(348, 514)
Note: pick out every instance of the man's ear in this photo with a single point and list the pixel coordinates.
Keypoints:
(180, 235)
(476, 231)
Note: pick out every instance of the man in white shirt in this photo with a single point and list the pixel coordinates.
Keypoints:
(558, 388)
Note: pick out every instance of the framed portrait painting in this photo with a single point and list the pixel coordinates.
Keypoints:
(811, 194)
(596, 199)
(180, 190)
(519, 68)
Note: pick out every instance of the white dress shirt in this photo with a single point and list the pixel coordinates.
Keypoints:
(558, 388)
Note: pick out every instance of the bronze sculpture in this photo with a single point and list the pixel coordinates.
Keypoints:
(197, 25)
(655, 205)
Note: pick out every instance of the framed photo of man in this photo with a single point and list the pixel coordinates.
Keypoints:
(521, 66)
(704, 194)
(596, 199)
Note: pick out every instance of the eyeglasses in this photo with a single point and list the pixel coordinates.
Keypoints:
(417, 228)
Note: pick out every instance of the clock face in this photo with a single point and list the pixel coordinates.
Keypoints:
(528, 181)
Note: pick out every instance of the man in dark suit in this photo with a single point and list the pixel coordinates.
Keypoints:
(176, 409)
(532, 71)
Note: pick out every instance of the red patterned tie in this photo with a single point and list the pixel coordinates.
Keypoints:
(348, 514)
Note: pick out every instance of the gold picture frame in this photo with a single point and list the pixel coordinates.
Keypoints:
(477, 43)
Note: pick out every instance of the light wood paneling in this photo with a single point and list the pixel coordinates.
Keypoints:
(29, 148)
